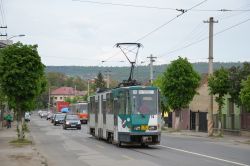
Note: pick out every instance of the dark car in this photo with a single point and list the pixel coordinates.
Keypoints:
(59, 118)
(71, 121)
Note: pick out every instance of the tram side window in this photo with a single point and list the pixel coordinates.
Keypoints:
(92, 105)
(109, 104)
(122, 103)
(103, 106)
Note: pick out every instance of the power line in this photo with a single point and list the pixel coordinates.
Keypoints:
(198, 41)
(166, 23)
(127, 5)
(157, 7)
(161, 26)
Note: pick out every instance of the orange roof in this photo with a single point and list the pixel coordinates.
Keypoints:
(67, 91)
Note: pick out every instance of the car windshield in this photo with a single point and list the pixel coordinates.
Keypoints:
(72, 117)
(60, 116)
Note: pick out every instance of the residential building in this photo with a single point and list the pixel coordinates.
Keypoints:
(60, 94)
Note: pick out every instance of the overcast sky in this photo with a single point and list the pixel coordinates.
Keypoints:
(84, 34)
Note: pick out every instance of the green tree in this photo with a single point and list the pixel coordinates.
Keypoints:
(158, 82)
(56, 79)
(22, 77)
(245, 93)
(219, 85)
(236, 75)
(99, 82)
(179, 84)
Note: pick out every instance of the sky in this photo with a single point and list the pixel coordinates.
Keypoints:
(83, 33)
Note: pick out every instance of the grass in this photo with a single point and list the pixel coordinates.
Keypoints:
(20, 142)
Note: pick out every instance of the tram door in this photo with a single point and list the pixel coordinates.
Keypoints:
(115, 111)
(104, 108)
(96, 110)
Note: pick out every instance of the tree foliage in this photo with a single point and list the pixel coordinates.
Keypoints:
(179, 83)
(236, 75)
(219, 85)
(99, 82)
(56, 79)
(22, 76)
(158, 82)
(245, 93)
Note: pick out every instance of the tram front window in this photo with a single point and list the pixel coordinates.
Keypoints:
(144, 103)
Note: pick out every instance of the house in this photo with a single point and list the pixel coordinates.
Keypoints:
(195, 116)
(60, 94)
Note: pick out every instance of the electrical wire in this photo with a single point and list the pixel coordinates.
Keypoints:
(126, 5)
(161, 26)
(171, 20)
(157, 7)
(198, 41)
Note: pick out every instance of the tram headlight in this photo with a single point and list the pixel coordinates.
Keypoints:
(152, 127)
(137, 127)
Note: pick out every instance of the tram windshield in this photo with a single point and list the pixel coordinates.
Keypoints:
(144, 101)
(83, 108)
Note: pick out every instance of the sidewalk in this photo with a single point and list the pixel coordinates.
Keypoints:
(13, 155)
(226, 137)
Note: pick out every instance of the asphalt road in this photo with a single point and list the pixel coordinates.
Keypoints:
(76, 147)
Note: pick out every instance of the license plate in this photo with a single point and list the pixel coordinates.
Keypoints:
(144, 127)
(73, 125)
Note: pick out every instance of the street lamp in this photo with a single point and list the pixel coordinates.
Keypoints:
(21, 35)
(4, 43)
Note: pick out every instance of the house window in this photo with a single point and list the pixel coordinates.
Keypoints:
(55, 98)
(60, 98)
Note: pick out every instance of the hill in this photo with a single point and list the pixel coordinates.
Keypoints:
(141, 73)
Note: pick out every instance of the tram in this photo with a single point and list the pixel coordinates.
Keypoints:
(128, 115)
(81, 109)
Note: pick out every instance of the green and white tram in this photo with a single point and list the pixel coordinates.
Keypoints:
(129, 115)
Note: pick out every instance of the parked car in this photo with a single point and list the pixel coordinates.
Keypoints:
(49, 116)
(59, 118)
(27, 116)
(71, 121)
(43, 114)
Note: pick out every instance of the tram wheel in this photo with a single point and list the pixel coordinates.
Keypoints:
(119, 144)
(144, 145)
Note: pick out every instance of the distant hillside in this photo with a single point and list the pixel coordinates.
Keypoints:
(121, 73)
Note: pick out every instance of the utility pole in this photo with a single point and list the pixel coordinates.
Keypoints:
(3, 35)
(88, 87)
(210, 72)
(151, 68)
(49, 101)
(108, 77)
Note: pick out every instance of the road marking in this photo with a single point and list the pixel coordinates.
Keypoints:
(127, 157)
(203, 155)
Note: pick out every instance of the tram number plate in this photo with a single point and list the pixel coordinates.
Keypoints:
(144, 127)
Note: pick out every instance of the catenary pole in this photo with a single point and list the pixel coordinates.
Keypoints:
(210, 72)
(151, 68)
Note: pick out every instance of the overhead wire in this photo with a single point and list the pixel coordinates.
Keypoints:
(164, 24)
(3, 20)
(198, 41)
(126, 5)
(156, 7)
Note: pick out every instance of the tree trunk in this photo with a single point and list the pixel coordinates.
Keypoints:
(220, 121)
(177, 119)
(20, 121)
(2, 114)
